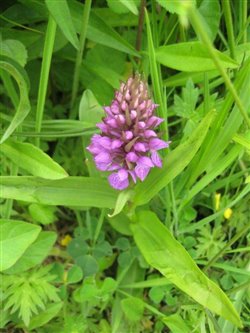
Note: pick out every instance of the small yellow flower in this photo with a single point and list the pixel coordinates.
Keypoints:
(66, 240)
(228, 213)
(217, 201)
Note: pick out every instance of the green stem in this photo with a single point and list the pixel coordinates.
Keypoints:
(220, 253)
(9, 202)
(155, 75)
(229, 26)
(10, 88)
(244, 19)
(199, 29)
(99, 226)
(46, 62)
(79, 54)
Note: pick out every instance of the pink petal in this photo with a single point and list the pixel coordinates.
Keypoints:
(157, 144)
(103, 127)
(141, 171)
(133, 114)
(149, 134)
(131, 157)
(116, 143)
(103, 157)
(128, 135)
(154, 121)
(156, 159)
(116, 182)
(123, 174)
(112, 122)
(145, 161)
(139, 146)
(105, 142)
(133, 175)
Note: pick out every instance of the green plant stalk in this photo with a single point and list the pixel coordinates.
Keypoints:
(43, 83)
(223, 250)
(79, 54)
(9, 202)
(229, 26)
(244, 20)
(198, 27)
(8, 83)
(9, 86)
(155, 79)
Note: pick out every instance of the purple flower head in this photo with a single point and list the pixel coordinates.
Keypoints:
(128, 143)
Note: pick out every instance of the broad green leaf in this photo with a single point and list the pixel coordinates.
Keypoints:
(42, 214)
(15, 238)
(105, 73)
(35, 253)
(61, 14)
(176, 324)
(99, 29)
(174, 163)
(210, 12)
(15, 50)
(45, 316)
(191, 57)
(130, 4)
(74, 274)
(32, 159)
(121, 223)
(133, 308)
(100, 32)
(88, 264)
(121, 201)
(18, 73)
(164, 253)
(70, 191)
(177, 6)
(90, 111)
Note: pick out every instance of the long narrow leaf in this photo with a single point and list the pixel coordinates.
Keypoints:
(174, 163)
(163, 252)
(19, 74)
(70, 191)
(33, 160)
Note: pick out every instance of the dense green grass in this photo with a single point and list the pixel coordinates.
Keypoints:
(169, 254)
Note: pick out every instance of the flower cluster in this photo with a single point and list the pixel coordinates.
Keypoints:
(128, 143)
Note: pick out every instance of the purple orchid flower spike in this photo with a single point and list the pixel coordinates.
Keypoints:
(128, 143)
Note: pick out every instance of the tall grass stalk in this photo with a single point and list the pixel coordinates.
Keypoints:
(229, 26)
(43, 83)
(200, 31)
(79, 54)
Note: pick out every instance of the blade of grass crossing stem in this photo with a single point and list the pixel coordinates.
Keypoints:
(219, 166)
(174, 163)
(220, 135)
(197, 24)
(164, 253)
(43, 83)
(197, 225)
(19, 74)
(78, 62)
(157, 88)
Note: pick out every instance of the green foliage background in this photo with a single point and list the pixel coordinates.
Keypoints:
(167, 255)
